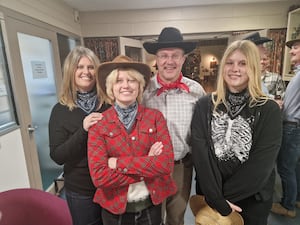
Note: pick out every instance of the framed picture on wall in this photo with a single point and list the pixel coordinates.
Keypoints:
(105, 48)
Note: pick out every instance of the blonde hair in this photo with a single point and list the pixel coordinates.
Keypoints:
(68, 93)
(249, 49)
(112, 77)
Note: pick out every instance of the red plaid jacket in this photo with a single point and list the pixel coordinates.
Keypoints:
(108, 138)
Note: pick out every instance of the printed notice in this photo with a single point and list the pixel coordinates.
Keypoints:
(38, 69)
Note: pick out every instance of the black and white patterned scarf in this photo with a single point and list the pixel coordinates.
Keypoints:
(127, 115)
(87, 101)
(236, 102)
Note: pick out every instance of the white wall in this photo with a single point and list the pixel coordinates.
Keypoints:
(216, 18)
(53, 12)
(13, 172)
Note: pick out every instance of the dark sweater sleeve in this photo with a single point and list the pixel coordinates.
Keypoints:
(208, 176)
(67, 138)
(254, 174)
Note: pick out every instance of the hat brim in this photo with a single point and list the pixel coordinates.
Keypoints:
(261, 40)
(106, 68)
(291, 42)
(205, 214)
(153, 47)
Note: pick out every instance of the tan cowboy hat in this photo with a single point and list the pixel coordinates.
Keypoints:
(291, 42)
(205, 215)
(122, 61)
(170, 37)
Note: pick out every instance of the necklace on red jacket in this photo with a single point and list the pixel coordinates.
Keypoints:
(174, 85)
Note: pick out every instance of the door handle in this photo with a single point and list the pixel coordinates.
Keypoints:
(31, 129)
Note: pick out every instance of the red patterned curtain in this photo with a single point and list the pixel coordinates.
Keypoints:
(105, 48)
(276, 48)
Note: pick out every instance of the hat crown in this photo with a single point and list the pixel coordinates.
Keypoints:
(169, 37)
(122, 59)
(257, 39)
(253, 37)
(293, 40)
(170, 34)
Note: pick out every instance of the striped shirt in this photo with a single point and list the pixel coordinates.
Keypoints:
(177, 107)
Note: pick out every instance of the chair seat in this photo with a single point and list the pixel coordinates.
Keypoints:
(27, 206)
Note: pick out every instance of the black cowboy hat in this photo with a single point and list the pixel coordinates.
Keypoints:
(170, 37)
(257, 39)
(291, 42)
(122, 61)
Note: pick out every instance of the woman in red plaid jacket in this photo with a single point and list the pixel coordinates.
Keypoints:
(130, 152)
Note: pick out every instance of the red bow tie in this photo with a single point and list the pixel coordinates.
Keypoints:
(174, 85)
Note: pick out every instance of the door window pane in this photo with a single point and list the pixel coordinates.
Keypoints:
(7, 108)
(37, 61)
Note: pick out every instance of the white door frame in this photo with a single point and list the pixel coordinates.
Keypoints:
(23, 24)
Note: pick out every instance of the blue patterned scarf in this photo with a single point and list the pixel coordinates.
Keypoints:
(87, 101)
(127, 115)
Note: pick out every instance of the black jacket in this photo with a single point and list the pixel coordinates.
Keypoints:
(254, 177)
(68, 147)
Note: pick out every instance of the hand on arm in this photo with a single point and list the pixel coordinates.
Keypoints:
(91, 119)
(112, 163)
(156, 149)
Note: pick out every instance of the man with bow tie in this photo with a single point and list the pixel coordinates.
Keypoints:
(175, 96)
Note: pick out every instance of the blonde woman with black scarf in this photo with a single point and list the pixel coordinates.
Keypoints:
(236, 136)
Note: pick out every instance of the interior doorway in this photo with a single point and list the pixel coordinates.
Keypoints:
(37, 62)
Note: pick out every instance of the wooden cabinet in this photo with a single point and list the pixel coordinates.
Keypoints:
(293, 27)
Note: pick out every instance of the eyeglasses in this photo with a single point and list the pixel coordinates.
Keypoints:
(174, 57)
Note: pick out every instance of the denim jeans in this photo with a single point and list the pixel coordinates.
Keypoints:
(149, 216)
(83, 210)
(298, 180)
(287, 165)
